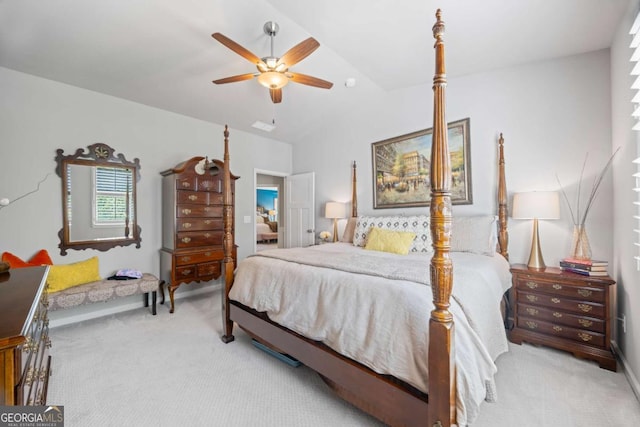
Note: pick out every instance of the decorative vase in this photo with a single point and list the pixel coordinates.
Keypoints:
(580, 248)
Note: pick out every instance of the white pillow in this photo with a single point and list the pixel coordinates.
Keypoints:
(417, 224)
(259, 219)
(477, 234)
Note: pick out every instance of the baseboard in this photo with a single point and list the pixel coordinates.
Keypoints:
(633, 380)
(94, 311)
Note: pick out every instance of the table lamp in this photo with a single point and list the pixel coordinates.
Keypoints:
(335, 210)
(536, 205)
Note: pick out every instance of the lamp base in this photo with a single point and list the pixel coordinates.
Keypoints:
(535, 257)
(335, 230)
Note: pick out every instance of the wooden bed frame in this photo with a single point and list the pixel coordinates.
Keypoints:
(382, 396)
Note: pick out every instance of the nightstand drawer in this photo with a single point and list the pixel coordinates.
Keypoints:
(576, 306)
(587, 337)
(561, 318)
(561, 289)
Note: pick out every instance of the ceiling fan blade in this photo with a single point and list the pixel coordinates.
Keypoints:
(309, 80)
(237, 78)
(276, 95)
(236, 48)
(299, 52)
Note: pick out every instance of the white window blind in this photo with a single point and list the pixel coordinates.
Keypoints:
(112, 192)
(635, 86)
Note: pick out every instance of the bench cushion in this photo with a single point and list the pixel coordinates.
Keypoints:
(101, 291)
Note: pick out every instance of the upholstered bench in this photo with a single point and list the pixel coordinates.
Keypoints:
(267, 236)
(106, 290)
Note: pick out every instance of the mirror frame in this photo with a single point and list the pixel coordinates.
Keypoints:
(97, 154)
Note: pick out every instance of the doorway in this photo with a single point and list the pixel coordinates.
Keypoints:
(269, 211)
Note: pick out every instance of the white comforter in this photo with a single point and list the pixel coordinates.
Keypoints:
(327, 293)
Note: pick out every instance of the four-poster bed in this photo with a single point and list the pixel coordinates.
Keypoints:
(400, 399)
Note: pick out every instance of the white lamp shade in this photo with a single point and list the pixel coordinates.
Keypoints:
(335, 210)
(536, 205)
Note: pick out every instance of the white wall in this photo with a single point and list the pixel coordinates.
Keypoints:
(38, 116)
(552, 114)
(624, 269)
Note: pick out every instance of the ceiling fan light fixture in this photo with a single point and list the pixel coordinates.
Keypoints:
(271, 62)
(273, 80)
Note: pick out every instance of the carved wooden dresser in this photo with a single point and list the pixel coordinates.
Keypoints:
(192, 226)
(564, 310)
(24, 337)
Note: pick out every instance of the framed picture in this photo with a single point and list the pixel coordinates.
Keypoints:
(401, 168)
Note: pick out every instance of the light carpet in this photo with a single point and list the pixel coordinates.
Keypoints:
(135, 369)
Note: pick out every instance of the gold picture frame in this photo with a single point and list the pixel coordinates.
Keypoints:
(401, 168)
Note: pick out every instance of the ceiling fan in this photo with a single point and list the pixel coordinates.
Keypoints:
(273, 72)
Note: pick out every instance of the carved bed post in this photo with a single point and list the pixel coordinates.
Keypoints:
(442, 370)
(228, 240)
(354, 196)
(503, 235)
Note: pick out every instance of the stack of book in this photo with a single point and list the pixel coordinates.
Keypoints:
(585, 267)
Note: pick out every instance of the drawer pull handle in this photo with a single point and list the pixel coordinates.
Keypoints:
(185, 258)
(585, 337)
(532, 311)
(186, 211)
(207, 209)
(532, 325)
(186, 272)
(186, 239)
(555, 300)
(584, 322)
(557, 287)
(207, 235)
(557, 328)
(584, 292)
(585, 307)
(557, 315)
(186, 225)
(193, 197)
(208, 221)
(186, 184)
(532, 285)
(532, 298)
(207, 253)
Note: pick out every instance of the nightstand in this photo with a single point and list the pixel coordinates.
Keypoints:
(564, 310)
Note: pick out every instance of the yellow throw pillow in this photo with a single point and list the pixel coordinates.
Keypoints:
(395, 242)
(65, 276)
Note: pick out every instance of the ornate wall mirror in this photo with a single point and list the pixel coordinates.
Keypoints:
(98, 199)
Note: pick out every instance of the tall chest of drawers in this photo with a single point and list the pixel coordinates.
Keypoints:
(192, 223)
(24, 337)
(564, 310)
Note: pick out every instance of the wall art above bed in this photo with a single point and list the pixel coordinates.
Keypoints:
(401, 168)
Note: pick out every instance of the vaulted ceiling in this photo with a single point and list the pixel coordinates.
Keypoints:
(160, 52)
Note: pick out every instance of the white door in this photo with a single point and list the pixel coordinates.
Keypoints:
(300, 206)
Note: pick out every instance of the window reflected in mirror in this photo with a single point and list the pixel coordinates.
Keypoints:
(99, 199)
